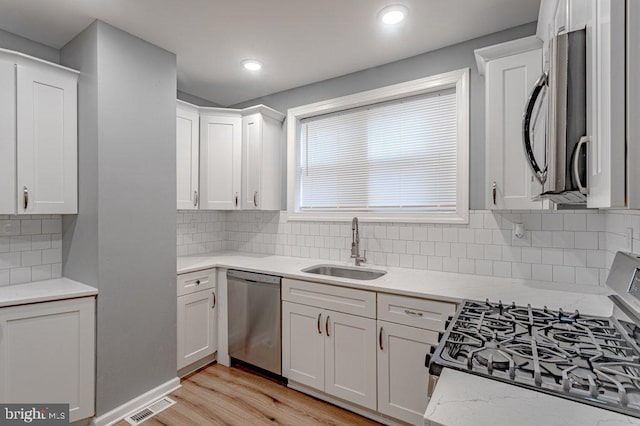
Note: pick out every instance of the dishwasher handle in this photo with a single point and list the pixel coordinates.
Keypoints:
(252, 276)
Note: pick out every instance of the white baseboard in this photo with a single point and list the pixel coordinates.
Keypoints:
(119, 413)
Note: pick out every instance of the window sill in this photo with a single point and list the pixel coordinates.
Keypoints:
(460, 218)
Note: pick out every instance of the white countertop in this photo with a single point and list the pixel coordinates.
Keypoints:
(419, 283)
(462, 399)
(44, 291)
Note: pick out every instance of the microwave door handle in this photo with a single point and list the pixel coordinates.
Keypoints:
(541, 175)
(576, 164)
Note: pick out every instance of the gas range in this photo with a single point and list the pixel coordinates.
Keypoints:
(593, 360)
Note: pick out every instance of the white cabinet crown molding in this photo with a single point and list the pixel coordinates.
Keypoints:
(22, 58)
(489, 53)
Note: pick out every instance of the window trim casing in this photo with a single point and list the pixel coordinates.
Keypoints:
(458, 79)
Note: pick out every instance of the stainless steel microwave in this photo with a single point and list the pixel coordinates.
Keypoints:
(558, 100)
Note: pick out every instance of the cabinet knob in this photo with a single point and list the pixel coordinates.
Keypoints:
(197, 282)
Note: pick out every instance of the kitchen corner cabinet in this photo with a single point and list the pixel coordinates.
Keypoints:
(261, 159)
(187, 155)
(38, 136)
(220, 160)
(511, 70)
(47, 354)
(235, 162)
(197, 321)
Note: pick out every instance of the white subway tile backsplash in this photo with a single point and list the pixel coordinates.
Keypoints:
(563, 246)
(26, 244)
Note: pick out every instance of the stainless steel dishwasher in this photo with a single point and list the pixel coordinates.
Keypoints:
(255, 334)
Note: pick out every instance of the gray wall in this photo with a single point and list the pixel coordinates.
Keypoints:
(124, 237)
(446, 59)
(196, 100)
(15, 42)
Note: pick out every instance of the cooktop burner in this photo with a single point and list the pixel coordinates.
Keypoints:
(584, 358)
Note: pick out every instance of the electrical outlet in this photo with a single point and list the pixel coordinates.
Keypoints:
(629, 238)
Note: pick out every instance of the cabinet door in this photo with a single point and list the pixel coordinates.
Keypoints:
(509, 81)
(220, 162)
(7, 138)
(47, 354)
(47, 140)
(187, 157)
(197, 333)
(402, 375)
(303, 344)
(252, 161)
(350, 358)
(606, 104)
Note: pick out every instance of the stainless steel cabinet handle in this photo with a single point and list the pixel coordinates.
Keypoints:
(576, 164)
(380, 339)
(255, 199)
(326, 326)
(413, 313)
(494, 191)
(25, 193)
(319, 321)
(236, 199)
(214, 300)
(195, 198)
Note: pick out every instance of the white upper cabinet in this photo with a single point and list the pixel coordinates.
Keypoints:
(220, 160)
(262, 159)
(47, 140)
(38, 136)
(187, 156)
(606, 119)
(7, 138)
(511, 70)
(239, 159)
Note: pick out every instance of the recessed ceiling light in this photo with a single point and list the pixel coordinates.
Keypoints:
(393, 14)
(252, 65)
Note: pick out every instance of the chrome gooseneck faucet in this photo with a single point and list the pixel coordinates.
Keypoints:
(355, 244)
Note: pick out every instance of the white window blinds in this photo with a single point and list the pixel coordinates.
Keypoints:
(388, 157)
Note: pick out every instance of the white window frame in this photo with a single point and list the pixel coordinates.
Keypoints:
(455, 79)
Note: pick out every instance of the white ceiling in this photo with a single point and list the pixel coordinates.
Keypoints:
(299, 41)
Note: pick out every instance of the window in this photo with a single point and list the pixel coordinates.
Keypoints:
(392, 154)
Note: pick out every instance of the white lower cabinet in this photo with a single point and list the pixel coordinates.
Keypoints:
(350, 358)
(402, 375)
(329, 351)
(374, 360)
(303, 344)
(197, 332)
(197, 326)
(47, 354)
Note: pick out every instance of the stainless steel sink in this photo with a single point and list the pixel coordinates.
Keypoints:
(345, 272)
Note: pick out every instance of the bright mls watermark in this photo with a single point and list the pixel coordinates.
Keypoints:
(34, 414)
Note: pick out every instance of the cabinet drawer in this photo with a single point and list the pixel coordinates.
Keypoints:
(196, 281)
(422, 313)
(334, 298)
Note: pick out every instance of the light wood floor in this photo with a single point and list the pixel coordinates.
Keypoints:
(218, 395)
